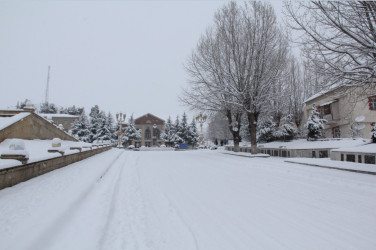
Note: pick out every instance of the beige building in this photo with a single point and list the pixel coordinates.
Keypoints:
(151, 129)
(63, 119)
(348, 111)
(25, 124)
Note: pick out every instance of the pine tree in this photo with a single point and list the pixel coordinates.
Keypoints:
(168, 135)
(131, 132)
(287, 131)
(193, 133)
(103, 131)
(110, 122)
(94, 122)
(183, 131)
(73, 110)
(177, 131)
(266, 130)
(80, 128)
(314, 124)
(373, 132)
(48, 108)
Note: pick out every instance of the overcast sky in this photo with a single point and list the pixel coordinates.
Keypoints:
(123, 56)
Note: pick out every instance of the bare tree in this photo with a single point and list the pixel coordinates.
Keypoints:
(236, 63)
(340, 38)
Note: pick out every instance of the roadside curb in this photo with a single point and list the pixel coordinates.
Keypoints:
(335, 168)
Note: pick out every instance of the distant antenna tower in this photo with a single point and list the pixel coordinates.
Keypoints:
(48, 85)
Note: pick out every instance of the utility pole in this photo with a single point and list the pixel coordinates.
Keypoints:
(48, 83)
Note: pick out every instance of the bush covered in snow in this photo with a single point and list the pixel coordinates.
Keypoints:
(314, 124)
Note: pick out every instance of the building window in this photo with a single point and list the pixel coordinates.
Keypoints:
(156, 133)
(336, 132)
(350, 158)
(326, 110)
(147, 134)
(372, 102)
(369, 159)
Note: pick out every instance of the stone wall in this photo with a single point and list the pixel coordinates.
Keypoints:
(34, 127)
(14, 175)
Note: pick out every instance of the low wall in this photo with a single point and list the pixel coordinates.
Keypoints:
(284, 152)
(359, 157)
(14, 175)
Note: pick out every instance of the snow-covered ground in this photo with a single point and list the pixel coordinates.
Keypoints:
(189, 200)
(329, 143)
(326, 162)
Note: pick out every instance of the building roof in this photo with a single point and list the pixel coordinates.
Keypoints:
(59, 115)
(149, 119)
(323, 92)
(7, 121)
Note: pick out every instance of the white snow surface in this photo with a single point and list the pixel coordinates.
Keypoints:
(189, 200)
(37, 150)
(7, 121)
(304, 144)
(326, 162)
(368, 148)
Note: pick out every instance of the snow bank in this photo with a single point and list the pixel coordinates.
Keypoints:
(304, 144)
(38, 150)
(156, 149)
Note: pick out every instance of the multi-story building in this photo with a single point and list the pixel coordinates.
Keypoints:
(348, 111)
(151, 129)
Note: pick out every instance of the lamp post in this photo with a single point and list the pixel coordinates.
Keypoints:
(120, 117)
(201, 119)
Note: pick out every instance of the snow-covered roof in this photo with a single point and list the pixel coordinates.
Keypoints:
(7, 121)
(323, 92)
(58, 115)
(7, 109)
(368, 148)
(304, 144)
(327, 103)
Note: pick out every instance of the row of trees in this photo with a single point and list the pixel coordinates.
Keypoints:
(50, 108)
(98, 126)
(180, 132)
(243, 69)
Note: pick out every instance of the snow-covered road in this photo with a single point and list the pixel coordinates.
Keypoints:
(189, 200)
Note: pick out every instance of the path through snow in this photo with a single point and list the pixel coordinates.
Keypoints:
(189, 200)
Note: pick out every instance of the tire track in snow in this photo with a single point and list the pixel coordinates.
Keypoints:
(111, 212)
(57, 225)
(127, 226)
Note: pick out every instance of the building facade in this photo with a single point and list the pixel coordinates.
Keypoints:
(25, 124)
(63, 119)
(151, 128)
(349, 112)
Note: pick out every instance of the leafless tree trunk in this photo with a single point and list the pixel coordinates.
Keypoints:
(236, 63)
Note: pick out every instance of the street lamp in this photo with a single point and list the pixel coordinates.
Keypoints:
(120, 117)
(201, 119)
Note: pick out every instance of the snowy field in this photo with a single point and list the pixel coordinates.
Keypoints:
(189, 200)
